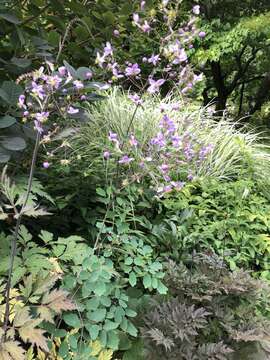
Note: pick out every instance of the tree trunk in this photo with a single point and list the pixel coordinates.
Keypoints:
(222, 92)
(262, 94)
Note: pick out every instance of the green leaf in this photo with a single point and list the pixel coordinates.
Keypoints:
(100, 288)
(147, 281)
(7, 121)
(10, 18)
(98, 315)
(110, 325)
(132, 278)
(161, 288)
(72, 320)
(131, 330)
(13, 143)
(13, 91)
(113, 340)
(4, 155)
(100, 192)
(93, 330)
(63, 350)
(92, 304)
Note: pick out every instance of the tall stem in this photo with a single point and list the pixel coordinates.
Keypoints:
(15, 237)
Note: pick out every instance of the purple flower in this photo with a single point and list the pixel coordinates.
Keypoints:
(89, 74)
(38, 126)
(42, 116)
(180, 56)
(202, 34)
(116, 33)
(177, 185)
(83, 97)
(159, 140)
(143, 5)
(113, 137)
(136, 18)
(196, 9)
(26, 113)
(146, 27)
(106, 155)
(132, 70)
(78, 84)
(155, 85)
(133, 141)
(46, 164)
(188, 151)
(54, 81)
(21, 101)
(154, 59)
(176, 141)
(108, 50)
(197, 78)
(164, 168)
(136, 99)
(168, 124)
(38, 90)
(62, 70)
(72, 110)
(204, 151)
(167, 178)
(100, 60)
(125, 159)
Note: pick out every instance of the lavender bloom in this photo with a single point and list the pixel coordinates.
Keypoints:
(178, 185)
(188, 151)
(159, 140)
(143, 5)
(132, 70)
(146, 27)
(83, 97)
(136, 99)
(167, 178)
(108, 50)
(204, 151)
(72, 110)
(42, 117)
(26, 113)
(202, 34)
(154, 59)
(155, 85)
(136, 18)
(125, 160)
(62, 70)
(46, 164)
(168, 124)
(196, 9)
(54, 81)
(38, 126)
(113, 137)
(38, 90)
(133, 141)
(116, 33)
(190, 177)
(180, 56)
(78, 84)
(176, 141)
(106, 155)
(89, 74)
(164, 168)
(21, 101)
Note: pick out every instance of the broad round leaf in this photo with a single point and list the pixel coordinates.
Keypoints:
(4, 156)
(7, 121)
(13, 143)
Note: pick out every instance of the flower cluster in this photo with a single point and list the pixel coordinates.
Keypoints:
(58, 93)
(170, 63)
(167, 161)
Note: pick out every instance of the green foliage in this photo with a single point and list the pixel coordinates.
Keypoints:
(212, 312)
(231, 218)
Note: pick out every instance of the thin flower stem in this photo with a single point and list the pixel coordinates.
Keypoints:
(15, 238)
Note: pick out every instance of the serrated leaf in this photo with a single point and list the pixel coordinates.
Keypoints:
(58, 301)
(93, 330)
(97, 315)
(45, 313)
(105, 355)
(29, 333)
(22, 317)
(14, 349)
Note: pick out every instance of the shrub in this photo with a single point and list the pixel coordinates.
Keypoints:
(211, 312)
(230, 218)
